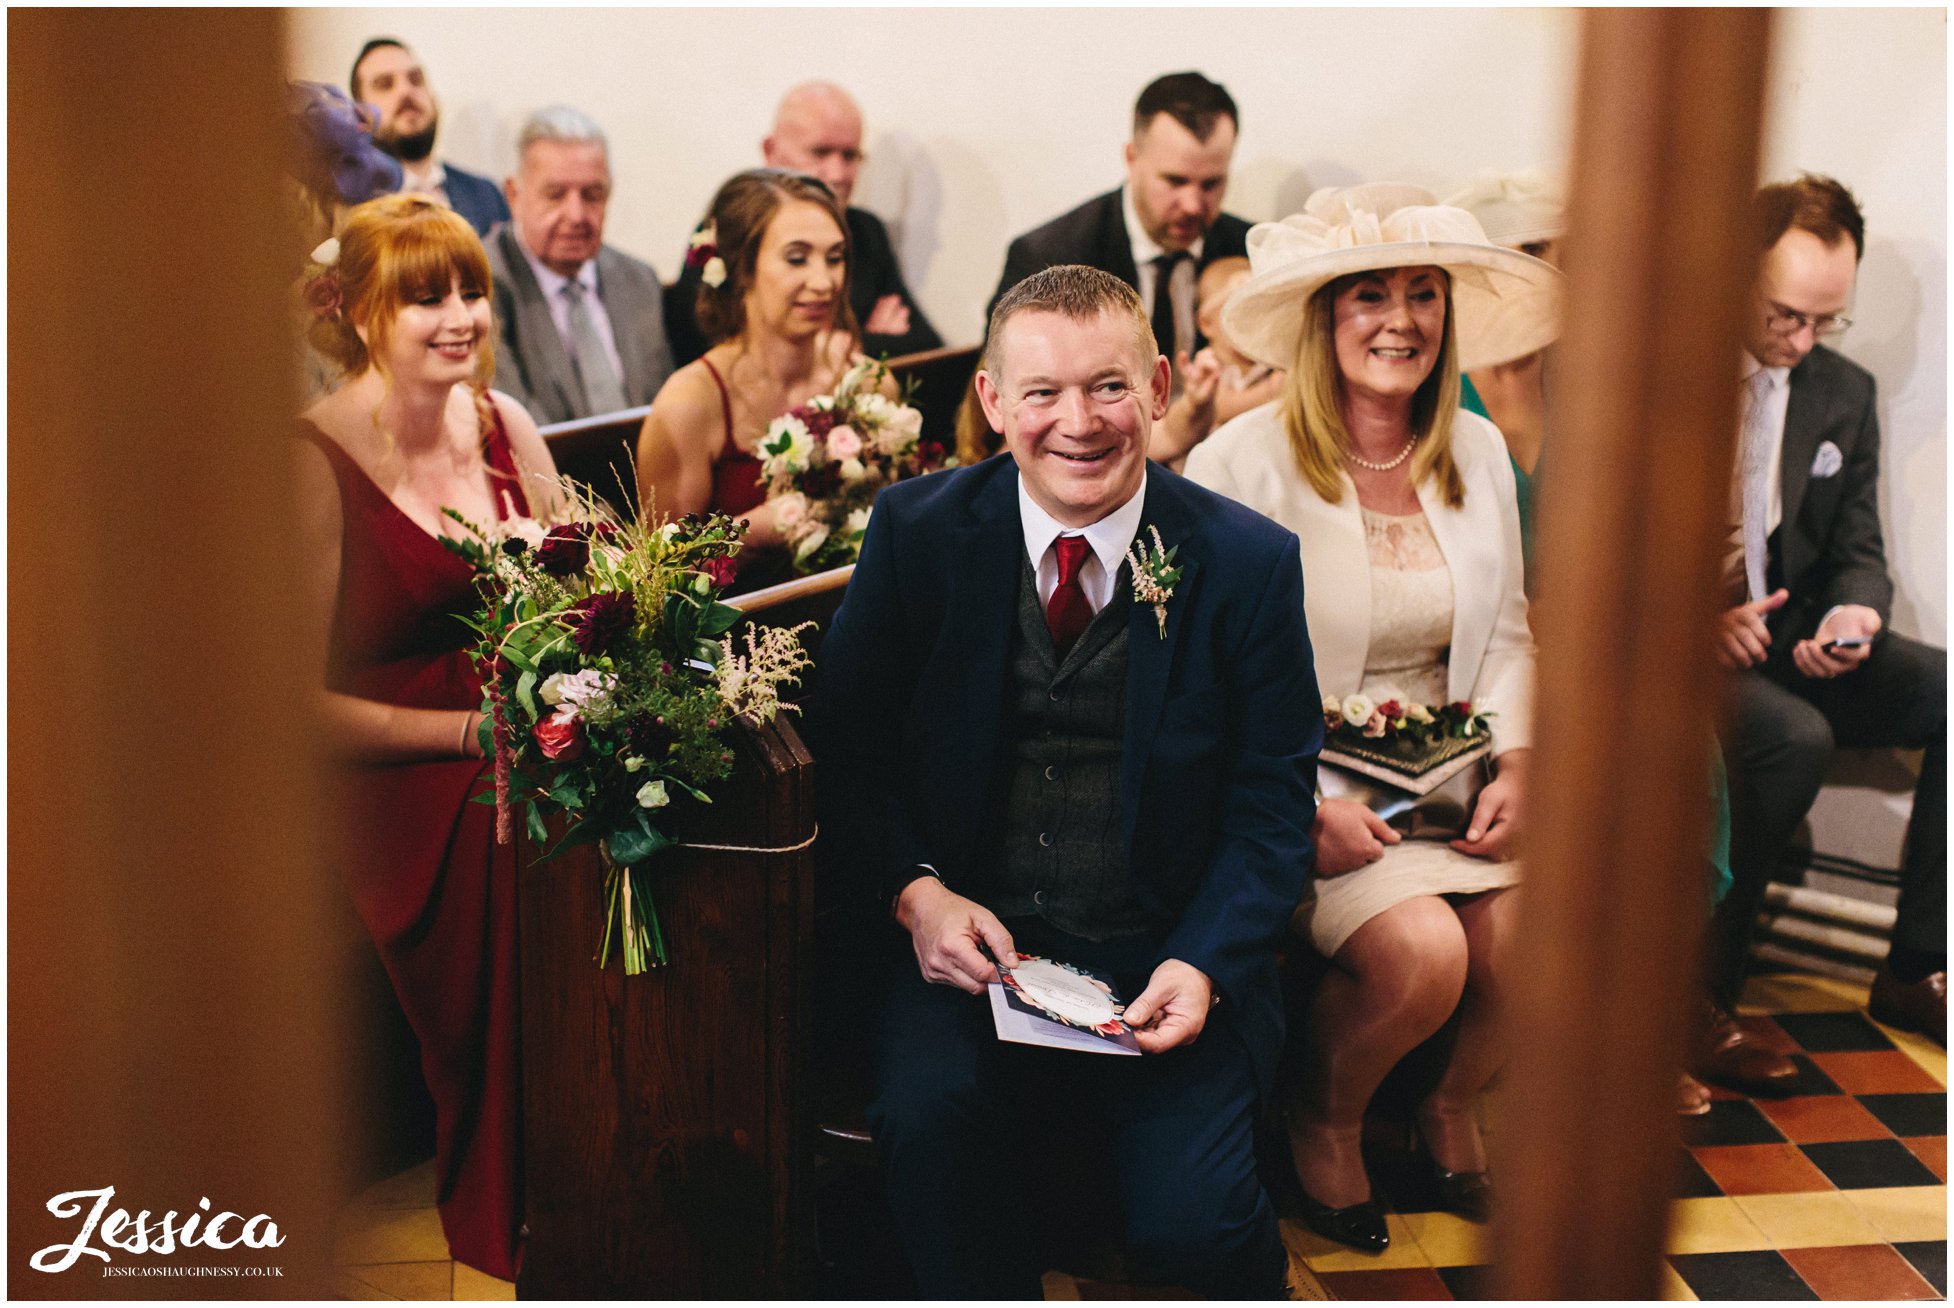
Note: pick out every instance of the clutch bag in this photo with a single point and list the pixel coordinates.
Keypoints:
(1429, 796)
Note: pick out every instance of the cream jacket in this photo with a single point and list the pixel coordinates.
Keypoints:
(1491, 659)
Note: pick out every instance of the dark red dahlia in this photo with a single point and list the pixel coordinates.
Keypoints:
(597, 620)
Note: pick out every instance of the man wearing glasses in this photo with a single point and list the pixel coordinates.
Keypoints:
(1812, 662)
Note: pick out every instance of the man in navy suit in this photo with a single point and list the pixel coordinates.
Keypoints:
(1812, 660)
(1021, 754)
(1157, 232)
(389, 77)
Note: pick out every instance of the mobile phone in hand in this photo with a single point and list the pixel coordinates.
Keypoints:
(1847, 642)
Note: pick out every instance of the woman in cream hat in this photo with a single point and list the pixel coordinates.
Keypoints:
(1372, 300)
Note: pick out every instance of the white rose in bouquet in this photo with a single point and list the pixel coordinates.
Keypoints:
(589, 691)
(809, 543)
(1357, 710)
(857, 522)
(902, 429)
(874, 409)
(844, 443)
(790, 510)
(853, 470)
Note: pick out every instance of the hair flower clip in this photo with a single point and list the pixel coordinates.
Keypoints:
(703, 254)
(1154, 575)
(326, 253)
(321, 291)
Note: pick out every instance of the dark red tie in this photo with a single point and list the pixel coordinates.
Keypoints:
(1068, 613)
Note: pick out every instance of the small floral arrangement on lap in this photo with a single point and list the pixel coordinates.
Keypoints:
(1392, 738)
(824, 462)
(610, 683)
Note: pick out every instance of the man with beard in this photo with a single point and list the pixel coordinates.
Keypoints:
(389, 77)
(1157, 232)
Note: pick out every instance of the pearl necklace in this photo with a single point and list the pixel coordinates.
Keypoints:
(1400, 457)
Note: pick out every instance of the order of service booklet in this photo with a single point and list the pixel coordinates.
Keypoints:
(1059, 1006)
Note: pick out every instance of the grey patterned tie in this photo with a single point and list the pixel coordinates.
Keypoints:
(1754, 463)
(601, 388)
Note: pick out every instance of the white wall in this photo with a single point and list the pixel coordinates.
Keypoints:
(982, 123)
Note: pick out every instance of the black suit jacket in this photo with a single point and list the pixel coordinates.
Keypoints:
(1828, 548)
(1095, 234)
(1223, 720)
(874, 273)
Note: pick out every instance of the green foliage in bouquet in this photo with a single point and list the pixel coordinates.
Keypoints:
(610, 683)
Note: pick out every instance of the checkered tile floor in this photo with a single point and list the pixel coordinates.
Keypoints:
(1837, 1191)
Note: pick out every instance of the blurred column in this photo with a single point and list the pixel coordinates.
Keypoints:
(1659, 260)
(171, 1028)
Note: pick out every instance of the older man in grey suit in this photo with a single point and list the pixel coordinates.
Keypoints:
(581, 325)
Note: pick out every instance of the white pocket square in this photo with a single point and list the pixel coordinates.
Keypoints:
(1828, 460)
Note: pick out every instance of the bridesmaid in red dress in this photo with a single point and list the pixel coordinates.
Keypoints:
(413, 428)
(782, 334)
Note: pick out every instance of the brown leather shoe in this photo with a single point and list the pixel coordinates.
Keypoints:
(1728, 1055)
(1920, 1006)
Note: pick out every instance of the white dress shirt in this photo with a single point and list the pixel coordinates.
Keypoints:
(1186, 273)
(427, 178)
(1109, 538)
(553, 283)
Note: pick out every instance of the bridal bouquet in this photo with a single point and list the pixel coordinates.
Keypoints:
(823, 463)
(610, 683)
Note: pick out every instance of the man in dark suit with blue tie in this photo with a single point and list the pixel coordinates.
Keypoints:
(1023, 751)
(388, 77)
(1813, 661)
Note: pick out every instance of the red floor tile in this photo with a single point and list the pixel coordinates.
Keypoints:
(1931, 1150)
(1886, 1072)
(1760, 1169)
(1817, 1119)
(1859, 1271)
(1386, 1283)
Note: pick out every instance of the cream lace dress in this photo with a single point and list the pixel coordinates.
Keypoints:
(1411, 630)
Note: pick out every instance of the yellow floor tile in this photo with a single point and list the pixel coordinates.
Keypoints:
(471, 1284)
(1920, 1049)
(413, 1188)
(352, 1288)
(1811, 1220)
(1712, 1226)
(1674, 1288)
(1450, 1240)
(1801, 993)
(1328, 1256)
(398, 1235)
(1907, 1212)
(431, 1280)
(1057, 1285)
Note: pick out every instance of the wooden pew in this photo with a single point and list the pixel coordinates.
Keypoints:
(597, 452)
(940, 377)
(667, 1134)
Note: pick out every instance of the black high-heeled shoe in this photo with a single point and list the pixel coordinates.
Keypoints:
(1361, 1226)
(1469, 1194)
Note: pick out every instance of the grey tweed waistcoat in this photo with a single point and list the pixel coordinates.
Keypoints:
(1054, 821)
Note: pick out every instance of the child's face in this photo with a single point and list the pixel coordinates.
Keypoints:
(1214, 295)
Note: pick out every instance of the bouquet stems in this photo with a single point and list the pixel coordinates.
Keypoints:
(631, 918)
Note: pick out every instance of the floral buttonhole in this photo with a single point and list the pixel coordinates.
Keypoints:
(1154, 575)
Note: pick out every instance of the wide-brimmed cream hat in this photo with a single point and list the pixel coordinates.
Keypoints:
(1506, 305)
(1516, 208)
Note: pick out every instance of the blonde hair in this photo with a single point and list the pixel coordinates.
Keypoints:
(1312, 413)
(394, 251)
